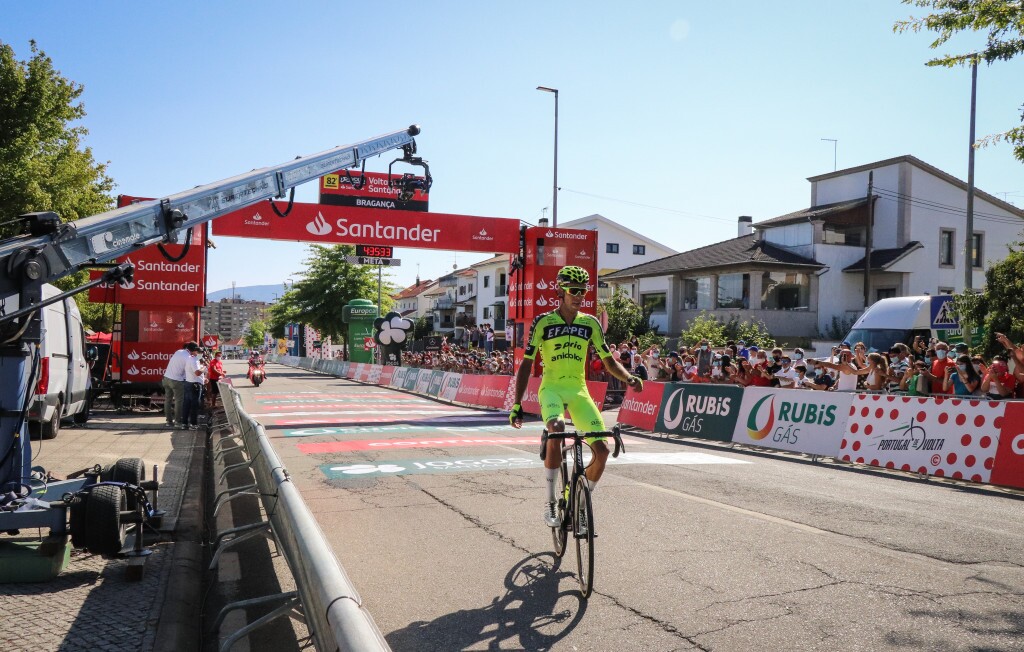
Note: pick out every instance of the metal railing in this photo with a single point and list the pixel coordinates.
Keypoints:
(329, 604)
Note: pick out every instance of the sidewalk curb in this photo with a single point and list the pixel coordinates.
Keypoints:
(180, 618)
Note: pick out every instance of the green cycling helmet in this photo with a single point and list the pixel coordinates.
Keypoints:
(573, 274)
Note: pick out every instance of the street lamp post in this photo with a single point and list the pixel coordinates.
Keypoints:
(554, 189)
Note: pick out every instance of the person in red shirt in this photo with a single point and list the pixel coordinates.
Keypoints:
(998, 383)
(216, 372)
(939, 364)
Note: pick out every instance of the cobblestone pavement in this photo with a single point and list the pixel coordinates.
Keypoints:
(93, 605)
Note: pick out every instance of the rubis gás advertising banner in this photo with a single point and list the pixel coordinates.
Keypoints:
(374, 191)
(699, 410)
(371, 226)
(793, 420)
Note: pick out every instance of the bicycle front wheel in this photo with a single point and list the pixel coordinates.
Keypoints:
(583, 532)
(560, 533)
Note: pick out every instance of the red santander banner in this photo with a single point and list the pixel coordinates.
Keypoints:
(351, 225)
(374, 192)
(159, 281)
(145, 362)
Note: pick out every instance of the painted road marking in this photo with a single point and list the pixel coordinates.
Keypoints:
(369, 430)
(352, 471)
(442, 419)
(440, 410)
(393, 444)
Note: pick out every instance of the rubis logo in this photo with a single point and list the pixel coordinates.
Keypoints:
(760, 433)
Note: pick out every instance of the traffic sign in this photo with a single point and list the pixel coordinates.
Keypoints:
(367, 260)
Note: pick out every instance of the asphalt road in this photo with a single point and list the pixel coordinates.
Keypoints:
(699, 547)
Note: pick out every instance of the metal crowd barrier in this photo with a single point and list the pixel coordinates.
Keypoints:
(329, 604)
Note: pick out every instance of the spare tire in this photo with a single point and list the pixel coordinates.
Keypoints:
(105, 533)
(131, 470)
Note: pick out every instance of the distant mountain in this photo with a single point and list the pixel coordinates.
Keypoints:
(265, 293)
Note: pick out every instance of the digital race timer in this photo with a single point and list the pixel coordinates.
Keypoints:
(375, 251)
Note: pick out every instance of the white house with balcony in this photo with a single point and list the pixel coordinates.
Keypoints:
(618, 247)
(800, 271)
(492, 291)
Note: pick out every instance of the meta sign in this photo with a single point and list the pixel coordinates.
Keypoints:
(371, 226)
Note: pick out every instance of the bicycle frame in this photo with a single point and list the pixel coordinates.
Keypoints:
(574, 503)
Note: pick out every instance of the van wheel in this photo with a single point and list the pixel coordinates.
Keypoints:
(82, 417)
(49, 429)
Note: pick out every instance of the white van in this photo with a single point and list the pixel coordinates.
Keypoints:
(901, 319)
(63, 384)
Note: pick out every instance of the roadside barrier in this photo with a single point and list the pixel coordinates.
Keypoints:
(332, 609)
(476, 390)
(965, 439)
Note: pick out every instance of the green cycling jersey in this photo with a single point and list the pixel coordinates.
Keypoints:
(563, 346)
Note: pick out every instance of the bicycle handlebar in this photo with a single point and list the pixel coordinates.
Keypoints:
(614, 433)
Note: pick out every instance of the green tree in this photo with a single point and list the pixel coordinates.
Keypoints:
(714, 330)
(330, 282)
(421, 327)
(625, 318)
(1000, 307)
(43, 164)
(1003, 20)
(254, 335)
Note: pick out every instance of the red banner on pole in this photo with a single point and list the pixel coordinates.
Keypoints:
(349, 225)
(374, 191)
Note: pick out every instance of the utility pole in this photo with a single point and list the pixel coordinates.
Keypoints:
(969, 248)
(867, 241)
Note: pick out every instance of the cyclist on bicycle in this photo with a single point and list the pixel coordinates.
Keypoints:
(562, 337)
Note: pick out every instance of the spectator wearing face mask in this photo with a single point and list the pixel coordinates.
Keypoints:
(916, 381)
(847, 372)
(786, 375)
(820, 380)
(998, 383)
(962, 380)
(899, 362)
(941, 361)
(759, 376)
(704, 357)
(801, 375)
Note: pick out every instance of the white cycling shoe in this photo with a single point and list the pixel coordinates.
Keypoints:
(551, 515)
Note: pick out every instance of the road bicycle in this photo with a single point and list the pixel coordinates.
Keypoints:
(574, 508)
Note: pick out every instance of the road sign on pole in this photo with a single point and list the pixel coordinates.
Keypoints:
(367, 260)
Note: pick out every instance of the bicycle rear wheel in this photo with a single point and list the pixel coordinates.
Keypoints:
(560, 533)
(583, 532)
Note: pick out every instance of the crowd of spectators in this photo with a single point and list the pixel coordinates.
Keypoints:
(465, 360)
(924, 368)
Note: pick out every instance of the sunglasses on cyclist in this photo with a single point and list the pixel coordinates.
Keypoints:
(576, 292)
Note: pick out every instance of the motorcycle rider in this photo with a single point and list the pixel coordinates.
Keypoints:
(255, 362)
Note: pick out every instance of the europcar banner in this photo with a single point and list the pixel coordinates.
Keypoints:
(699, 410)
(950, 438)
(372, 226)
(801, 421)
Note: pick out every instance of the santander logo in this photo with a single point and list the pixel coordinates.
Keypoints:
(134, 355)
(541, 301)
(134, 371)
(541, 285)
(319, 225)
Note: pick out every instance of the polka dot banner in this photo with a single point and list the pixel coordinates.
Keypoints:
(950, 438)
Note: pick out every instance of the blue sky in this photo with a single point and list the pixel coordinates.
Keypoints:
(674, 117)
